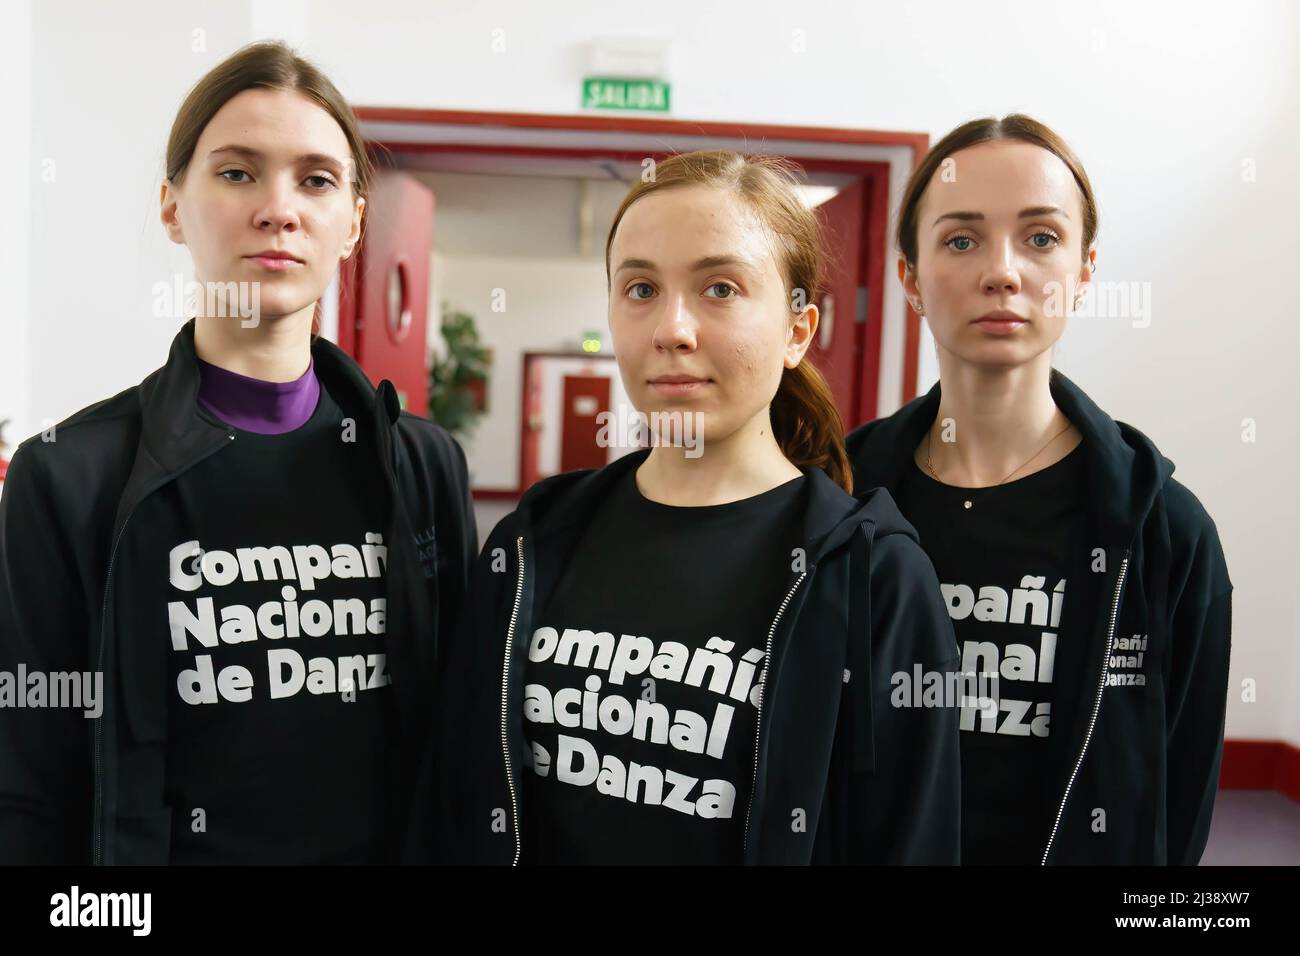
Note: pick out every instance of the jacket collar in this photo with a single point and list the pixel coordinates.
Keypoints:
(174, 430)
(564, 503)
(1125, 469)
(174, 433)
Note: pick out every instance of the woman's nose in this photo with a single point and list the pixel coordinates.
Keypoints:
(676, 329)
(1002, 275)
(278, 209)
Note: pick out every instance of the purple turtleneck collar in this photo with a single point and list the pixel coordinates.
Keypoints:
(252, 405)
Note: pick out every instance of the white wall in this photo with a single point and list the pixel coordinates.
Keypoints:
(101, 111)
(16, 167)
(1164, 103)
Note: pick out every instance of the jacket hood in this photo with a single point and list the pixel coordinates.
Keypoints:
(1125, 469)
(562, 502)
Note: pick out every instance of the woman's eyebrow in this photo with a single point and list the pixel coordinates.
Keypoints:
(636, 264)
(699, 265)
(1024, 214)
(713, 262)
(322, 159)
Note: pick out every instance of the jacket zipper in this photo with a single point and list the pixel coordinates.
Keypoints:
(97, 852)
(505, 697)
(97, 859)
(1096, 706)
(762, 690)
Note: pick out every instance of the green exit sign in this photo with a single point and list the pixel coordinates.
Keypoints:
(604, 93)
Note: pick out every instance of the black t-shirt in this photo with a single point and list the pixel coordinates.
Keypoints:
(1014, 568)
(281, 717)
(642, 675)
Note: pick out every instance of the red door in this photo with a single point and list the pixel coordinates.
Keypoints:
(837, 348)
(585, 397)
(531, 425)
(390, 288)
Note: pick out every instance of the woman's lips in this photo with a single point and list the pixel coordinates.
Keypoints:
(680, 389)
(1000, 326)
(274, 264)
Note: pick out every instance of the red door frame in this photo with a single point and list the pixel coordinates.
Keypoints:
(874, 173)
(527, 447)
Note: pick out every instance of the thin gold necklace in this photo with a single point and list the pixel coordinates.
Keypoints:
(968, 503)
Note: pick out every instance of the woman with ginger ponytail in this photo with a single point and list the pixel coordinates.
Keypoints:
(685, 656)
(807, 425)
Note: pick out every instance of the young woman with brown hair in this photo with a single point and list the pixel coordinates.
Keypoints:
(1078, 573)
(253, 548)
(686, 656)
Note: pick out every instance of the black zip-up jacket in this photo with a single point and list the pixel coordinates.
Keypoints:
(1148, 756)
(77, 790)
(875, 783)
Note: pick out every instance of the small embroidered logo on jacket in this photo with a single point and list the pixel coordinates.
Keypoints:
(426, 548)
